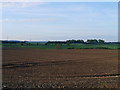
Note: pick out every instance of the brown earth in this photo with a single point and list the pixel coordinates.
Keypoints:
(76, 68)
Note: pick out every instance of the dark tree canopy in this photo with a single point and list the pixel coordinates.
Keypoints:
(89, 41)
(75, 41)
(95, 41)
(101, 41)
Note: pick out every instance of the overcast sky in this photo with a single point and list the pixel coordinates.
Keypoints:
(60, 21)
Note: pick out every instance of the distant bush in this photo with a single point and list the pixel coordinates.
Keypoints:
(100, 48)
(118, 47)
(96, 48)
(103, 48)
(70, 48)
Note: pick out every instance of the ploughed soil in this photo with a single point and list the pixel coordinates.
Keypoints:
(59, 68)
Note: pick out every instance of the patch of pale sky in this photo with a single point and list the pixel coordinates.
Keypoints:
(28, 20)
(90, 21)
(59, 0)
(20, 4)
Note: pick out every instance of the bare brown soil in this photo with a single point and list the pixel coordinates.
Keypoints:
(36, 68)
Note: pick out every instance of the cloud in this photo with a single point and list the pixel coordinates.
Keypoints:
(59, 0)
(21, 4)
(28, 20)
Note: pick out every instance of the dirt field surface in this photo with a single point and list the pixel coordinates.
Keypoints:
(75, 68)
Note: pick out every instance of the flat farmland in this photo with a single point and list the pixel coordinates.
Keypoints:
(59, 68)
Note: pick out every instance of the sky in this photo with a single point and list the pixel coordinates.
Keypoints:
(59, 20)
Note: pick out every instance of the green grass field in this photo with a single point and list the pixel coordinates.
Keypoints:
(64, 46)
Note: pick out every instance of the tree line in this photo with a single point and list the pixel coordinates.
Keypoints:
(89, 41)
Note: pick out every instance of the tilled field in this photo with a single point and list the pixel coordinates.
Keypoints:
(75, 68)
